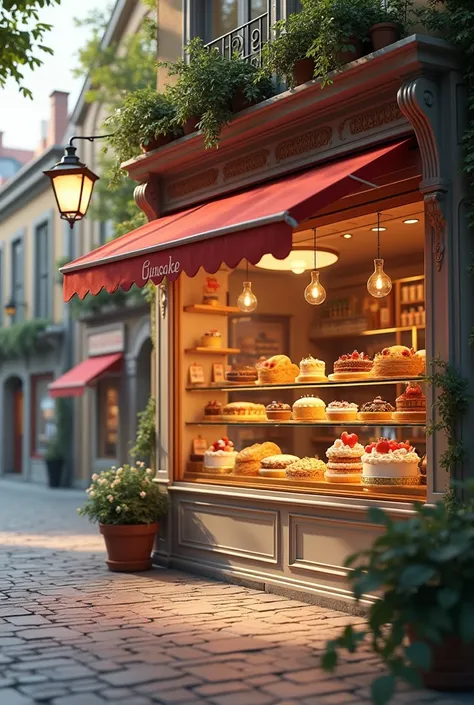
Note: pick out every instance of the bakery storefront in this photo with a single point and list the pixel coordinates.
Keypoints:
(290, 366)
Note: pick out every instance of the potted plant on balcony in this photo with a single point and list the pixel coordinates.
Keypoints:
(145, 121)
(128, 506)
(422, 627)
(389, 22)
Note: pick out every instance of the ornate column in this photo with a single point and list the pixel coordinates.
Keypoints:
(436, 108)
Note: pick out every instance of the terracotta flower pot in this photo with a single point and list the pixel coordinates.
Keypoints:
(303, 71)
(159, 141)
(129, 546)
(191, 125)
(452, 665)
(384, 34)
(346, 56)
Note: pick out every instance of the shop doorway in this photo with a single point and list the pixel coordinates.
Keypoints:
(13, 425)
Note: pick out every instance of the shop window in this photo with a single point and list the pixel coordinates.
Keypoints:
(42, 305)
(107, 418)
(18, 277)
(353, 396)
(43, 426)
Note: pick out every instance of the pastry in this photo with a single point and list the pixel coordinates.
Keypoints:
(213, 411)
(312, 370)
(220, 457)
(249, 460)
(352, 367)
(397, 361)
(344, 459)
(277, 370)
(309, 409)
(272, 472)
(243, 411)
(376, 410)
(278, 411)
(390, 463)
(241, 374)
(274, 465)
(306, 469)
(341, 411)
(211, 339)
(411, 405)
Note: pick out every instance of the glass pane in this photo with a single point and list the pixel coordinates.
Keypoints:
(257, 8)
(45, 423)
(224, 17)
(108, 421)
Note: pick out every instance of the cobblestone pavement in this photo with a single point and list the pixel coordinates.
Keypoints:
(72, 633)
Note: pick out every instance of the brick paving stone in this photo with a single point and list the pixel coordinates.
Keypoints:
(80, 699)
(247, 698)
(48, 633)
(140, 674)
(115, 694)
(228, 646)
(28, 620)
(8, 696)
(213, 672)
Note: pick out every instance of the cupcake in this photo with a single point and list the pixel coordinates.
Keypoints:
(278, 411)
(376, 410)
(341, 411)
(309, 409)
(213, 411)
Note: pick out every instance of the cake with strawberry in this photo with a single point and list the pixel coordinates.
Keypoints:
(391, 464)
(277, 369)
(220, 457)
(344, 459)
(211, 339)
(312, 370)
(352, 367)
(397, 361)
(411, 405)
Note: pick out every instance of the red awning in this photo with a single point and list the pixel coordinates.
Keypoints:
(74, 382)
(246, 225)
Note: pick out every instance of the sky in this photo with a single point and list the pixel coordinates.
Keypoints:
(20, 118)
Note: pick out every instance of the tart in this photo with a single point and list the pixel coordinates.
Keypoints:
(309, 408)
(352, 367)
(211, 339)
(241, 374)
(306, 469)
(411, 405)
(277, 370)
(376, 410)
(248, 461)
(389, 463)
(344, 459)
(341, 411)
(278, 411)
(312, 370)
(220, 457)
(274, 465)
(397, 361)
(243, 411)
(213, 411)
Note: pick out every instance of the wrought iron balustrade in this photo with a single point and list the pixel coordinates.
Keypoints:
(247, 40)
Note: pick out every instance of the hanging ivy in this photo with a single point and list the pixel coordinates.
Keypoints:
(145, 443)
(21, 339)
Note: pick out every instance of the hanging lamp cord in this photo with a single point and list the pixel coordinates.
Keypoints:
(314, 236)
(378, 234)
(247, 271)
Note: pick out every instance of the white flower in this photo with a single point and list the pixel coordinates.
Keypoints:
(133, 469)
(140, 464)
(142, 494)
(88, 490)
(110, 498)
(118, 509)
(113, 467)
(78, 509)
(149, 471)
(95, 476)
(102, 481)
(92, 494)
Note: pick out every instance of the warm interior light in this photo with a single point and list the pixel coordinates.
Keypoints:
(315, 293)
(72, 184)
(379, 283)
(299, 261)
(347, 236)
(378, 229)
(411, 221)
(247, 301)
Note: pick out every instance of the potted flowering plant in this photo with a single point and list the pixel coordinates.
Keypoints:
(128, 506)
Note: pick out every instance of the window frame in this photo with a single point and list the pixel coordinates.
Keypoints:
(34, 379)
(45, 219)
(19, 300)
(198, 18)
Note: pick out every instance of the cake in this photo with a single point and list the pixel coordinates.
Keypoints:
(422, 355)
(249, 460)
(274, 465)
(241, 374)
(397, 361)
(352, 366)
(278, 411)
(211, 339)
(411, 405)
(277, 370)
(213, 411)
(344, 459)
(306, 469)
(312, 370)
(390, 463)
(309, 409)
(211, 291)
(376, 410)
(341, 411)
(220, 456)
(243, 411)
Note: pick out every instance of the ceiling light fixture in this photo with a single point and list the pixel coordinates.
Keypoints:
(411, 221)
(379, 283)
(299, 260)
(346, 236)
(315, 293)
(378, 229)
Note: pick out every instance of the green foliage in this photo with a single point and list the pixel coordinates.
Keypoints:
(21, 39)
(126, 495)
(145, 443)
(143, 116)
(424, 567)
(59, 446)
(20, 339)
(206, 84)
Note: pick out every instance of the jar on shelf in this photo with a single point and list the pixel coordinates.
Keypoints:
(404, 319)
(411, 317)
(412, 290)
(420, 294)
(405, 293)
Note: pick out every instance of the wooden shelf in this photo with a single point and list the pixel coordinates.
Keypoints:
(253, 387)
(208, 309)
(295, 424)
(212, 351)
(396, 329)
(418, 302)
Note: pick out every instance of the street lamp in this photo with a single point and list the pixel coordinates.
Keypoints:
(73, 182)
(11, 307)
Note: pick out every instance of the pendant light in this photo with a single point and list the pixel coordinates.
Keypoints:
(315, 293)
(247, 301)
(379, 283)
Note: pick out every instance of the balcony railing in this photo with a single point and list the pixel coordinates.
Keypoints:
(247, 41)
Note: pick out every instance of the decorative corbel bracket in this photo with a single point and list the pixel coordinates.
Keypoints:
(147, 198)
(163, 299)
(435, 218)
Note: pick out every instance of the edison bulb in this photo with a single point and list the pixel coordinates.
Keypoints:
(247, 301)
(298, 266)
(315, 293)
(379, 283)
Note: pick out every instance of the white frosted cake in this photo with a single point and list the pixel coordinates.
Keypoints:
(220, 457)
(312, 370)
(389, 463)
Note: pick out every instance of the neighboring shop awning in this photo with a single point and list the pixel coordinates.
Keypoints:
(245, 225)
(74, 382)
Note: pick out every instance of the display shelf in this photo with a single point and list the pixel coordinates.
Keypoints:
(229, 387)
(208, 309)
(312, 424)
(417, 302)
(365, 333)
(395, 329)
(212, 351)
